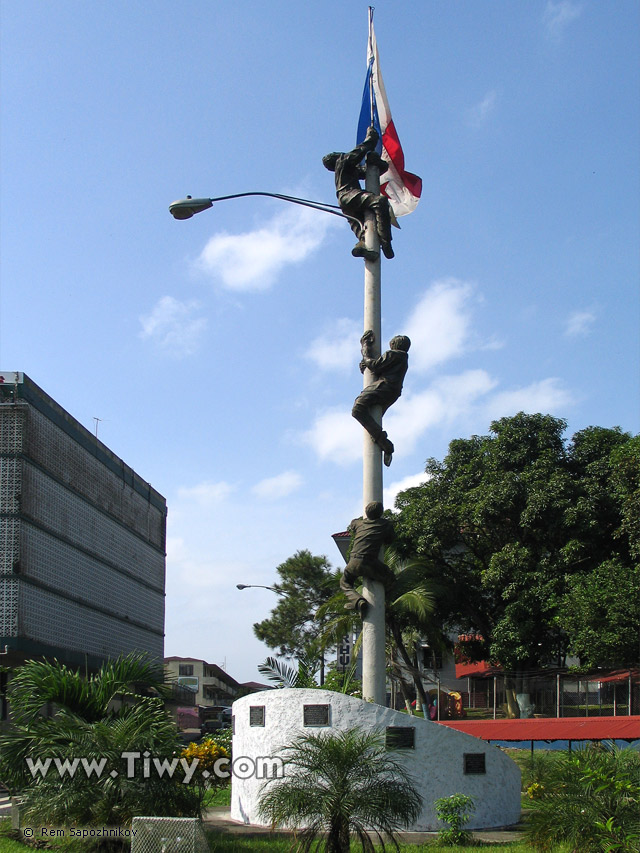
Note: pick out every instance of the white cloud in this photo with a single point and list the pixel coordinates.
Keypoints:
(173, 326)
(448, 398)
(280, 486)
(206, 493)
(579, 324)
(392, 491)
(479, 113)
(547, 396)
(456, 399)
(338, 348)
(558, 16)
(439, 325)
(335, 435)
(252, 261)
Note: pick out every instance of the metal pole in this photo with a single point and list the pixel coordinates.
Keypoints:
(494, 697)
(558, 695)
(586, 697)
(373, 623)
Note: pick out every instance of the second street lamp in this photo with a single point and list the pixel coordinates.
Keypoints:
(187, 207)
(258, 586)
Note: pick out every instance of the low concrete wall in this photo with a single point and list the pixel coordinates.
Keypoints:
(442, 761)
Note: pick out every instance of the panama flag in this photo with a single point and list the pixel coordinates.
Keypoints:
(401, 188)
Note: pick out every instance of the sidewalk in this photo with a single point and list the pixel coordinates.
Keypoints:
(220, 818)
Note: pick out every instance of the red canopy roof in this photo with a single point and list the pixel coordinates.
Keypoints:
(563, 728)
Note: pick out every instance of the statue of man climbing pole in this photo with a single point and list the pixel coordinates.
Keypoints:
(354, 201)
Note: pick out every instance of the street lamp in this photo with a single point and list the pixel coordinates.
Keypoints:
(187, 207)
(258, 586)
(278, 592)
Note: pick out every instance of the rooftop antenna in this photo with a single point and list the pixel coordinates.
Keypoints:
(97, 420)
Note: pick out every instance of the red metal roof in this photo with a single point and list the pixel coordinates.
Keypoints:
(476, 668)
(563, 728)
(616, 675)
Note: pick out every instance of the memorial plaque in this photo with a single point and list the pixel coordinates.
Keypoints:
(474, 763)
(400, 737)
(256, 715)
(316, 715)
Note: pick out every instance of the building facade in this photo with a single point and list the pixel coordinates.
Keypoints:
(82, 539)
(210, 684)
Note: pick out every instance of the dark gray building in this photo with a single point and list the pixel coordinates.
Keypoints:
(82, 539)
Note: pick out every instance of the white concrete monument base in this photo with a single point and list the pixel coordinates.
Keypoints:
(441, 761)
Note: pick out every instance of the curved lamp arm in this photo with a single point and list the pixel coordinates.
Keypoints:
(187, 207)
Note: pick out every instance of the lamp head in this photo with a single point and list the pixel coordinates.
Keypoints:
(187, 207)
(241, 586)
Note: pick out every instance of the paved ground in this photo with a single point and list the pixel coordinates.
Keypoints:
(220, 818)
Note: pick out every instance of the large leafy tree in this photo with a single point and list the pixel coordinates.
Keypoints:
(292, 629)
(510, 519)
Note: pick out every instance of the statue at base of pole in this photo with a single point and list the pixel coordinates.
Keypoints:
(369, 534)
(354, 201)
(389, 371)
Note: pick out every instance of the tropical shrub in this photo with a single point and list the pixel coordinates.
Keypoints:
(338, 786)
(208, 753)
(455, 811)
(589, 799)
(100, 755)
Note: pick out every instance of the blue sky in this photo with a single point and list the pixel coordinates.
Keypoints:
(221, 353)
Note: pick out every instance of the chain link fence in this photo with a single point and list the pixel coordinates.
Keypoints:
(555, 695)
(168, 835)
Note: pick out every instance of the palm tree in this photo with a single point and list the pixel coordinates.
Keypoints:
(410, 604)
(343, 784)
(287, 676)
(94, 719)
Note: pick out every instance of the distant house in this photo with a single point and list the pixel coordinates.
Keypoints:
(208, 682)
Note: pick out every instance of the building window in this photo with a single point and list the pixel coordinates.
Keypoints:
(400, 737)
(474, 763)
(431, 659)
(185, 669)
(316, 715)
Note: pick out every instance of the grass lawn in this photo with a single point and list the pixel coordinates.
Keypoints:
(225, 844)
(218, 797)
(222, 842)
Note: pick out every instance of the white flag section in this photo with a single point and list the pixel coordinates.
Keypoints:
(402, 188)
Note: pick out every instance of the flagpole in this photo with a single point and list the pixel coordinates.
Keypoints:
(374, 661)
(371, 62)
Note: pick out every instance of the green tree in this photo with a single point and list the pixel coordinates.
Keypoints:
(306, 582)
(625, 462)
(410, 604)
(117, 710)
(601, 615)
(342, 784)
(509, 519)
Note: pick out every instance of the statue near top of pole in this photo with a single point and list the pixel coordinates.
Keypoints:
(354, 201)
